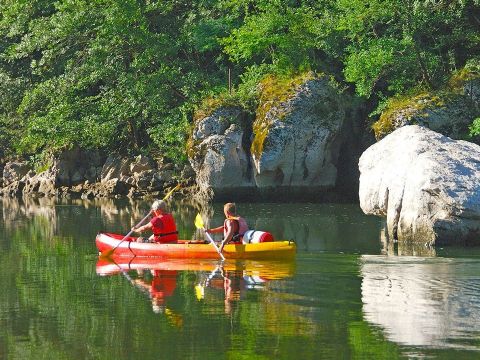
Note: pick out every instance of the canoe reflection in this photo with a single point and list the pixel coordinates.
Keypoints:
(158, 277)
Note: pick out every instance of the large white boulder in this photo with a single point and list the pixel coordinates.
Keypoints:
(426, 184)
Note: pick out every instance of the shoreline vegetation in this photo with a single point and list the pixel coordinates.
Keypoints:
(233, 99)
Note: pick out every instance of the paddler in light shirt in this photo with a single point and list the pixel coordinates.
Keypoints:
(233, 228)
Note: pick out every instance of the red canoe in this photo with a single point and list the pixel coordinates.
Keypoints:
(188, 250)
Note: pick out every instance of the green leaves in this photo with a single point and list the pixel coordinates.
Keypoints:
(127, 74)
(475, 127)
(278, 34)
(397, 45)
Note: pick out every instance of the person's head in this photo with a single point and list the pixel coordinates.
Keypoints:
(230, 209)
(159, 206)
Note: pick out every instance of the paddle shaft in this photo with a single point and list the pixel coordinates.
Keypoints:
(136, 226)
(131, 231)
(110, 252)
(214, 245)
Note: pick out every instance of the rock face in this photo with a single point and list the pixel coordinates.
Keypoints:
(297, 140)
(219, 153)
(447, 114)
(292, 146)
(132, 176)
(14, 171)
(426, 184)
(87, 174)
(13, 177)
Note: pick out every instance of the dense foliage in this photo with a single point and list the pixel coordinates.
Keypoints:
(128, 74)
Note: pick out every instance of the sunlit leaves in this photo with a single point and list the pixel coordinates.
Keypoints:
(127, 74)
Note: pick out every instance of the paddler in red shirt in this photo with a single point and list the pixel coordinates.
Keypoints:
(233, 228)
(162, 225)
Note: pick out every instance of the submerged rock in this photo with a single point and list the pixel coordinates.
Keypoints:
(426, 184)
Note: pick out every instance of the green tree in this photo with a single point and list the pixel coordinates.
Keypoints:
(396, 45)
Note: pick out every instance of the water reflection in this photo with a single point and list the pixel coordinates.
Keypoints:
(327, 304)
(157, 278)
(314, 227)
(423, 301)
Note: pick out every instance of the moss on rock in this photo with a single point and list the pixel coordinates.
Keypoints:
(448, 111)
(405, 110)
(274, 90)
(470, 72)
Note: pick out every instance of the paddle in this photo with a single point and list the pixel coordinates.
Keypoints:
(199, 225)
(110, 252)
(200, 289)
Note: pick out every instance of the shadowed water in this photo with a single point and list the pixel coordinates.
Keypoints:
(348, 294)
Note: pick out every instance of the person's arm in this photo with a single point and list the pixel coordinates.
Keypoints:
(215, 230)
(228, 235)
(142, 228)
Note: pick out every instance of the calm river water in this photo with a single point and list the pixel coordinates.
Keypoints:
(347, 295)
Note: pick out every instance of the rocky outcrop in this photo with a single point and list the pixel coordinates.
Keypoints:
(219, 153)
(133, 176)
(13, 177)
(14, 171)
(449, 111)
(76, 173)
(73, 167)
(292, 146)
(297, 140)
(426, 185)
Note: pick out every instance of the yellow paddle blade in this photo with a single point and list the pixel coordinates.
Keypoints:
(199, 222)
(171, 192)
(199, 292)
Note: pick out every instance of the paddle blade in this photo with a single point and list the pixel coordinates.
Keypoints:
(171, 192)
(199, 222)
(107, 254)
(199, 292)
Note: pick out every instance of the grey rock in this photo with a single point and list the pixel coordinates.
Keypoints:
(13, 171)
(114, 167)
(301, 147)
(141, 163)
(219, 158)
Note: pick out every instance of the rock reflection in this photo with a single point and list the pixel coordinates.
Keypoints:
(423, 301)
(54, 217)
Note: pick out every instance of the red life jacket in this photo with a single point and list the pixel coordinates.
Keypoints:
(164, 229)
(164, 283)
